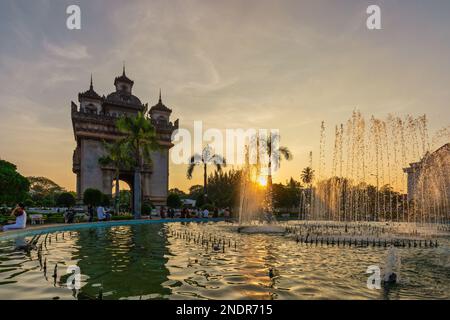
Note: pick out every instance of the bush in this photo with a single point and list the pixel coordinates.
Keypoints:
(29, 203)
(65, 199)
(92, 197)
(4, 219)
(174, 200)
(54, 218)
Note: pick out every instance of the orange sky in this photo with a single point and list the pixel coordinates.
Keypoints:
(232, 64)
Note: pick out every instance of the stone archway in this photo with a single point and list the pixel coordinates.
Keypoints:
(125, 177)
(91, 129)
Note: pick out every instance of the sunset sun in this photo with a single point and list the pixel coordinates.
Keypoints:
(262, 181)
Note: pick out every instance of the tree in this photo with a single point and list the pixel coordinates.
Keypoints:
(179, 192)
(92, 197)
(44, 191)
(223, 188)
(118, 157)
(275, 153)
(307, 177)
(293, 193)
(125, 200)
(174, 200)
(106, 200)
(200, 200)
(141, 139)
(66, 200)
(29, 203)
(287, 196)
(13, 186)
(195, 191)
(207, 157)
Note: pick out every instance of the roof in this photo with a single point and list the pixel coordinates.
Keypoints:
(160, 106)
(123, 78)
(90, 93)
(123, 98)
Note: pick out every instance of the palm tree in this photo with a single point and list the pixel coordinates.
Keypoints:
(118, 157)
(307, 177)
(140, 136)
(207, 157)
(276, 153)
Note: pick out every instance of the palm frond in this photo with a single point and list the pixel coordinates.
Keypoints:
(104, 161)
(193, 161)
(218, 159)
(190, 170)
(285, 152)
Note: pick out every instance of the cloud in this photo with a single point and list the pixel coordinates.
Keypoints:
(259, 63)
(71, 52)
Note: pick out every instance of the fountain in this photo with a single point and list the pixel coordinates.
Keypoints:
(363, 197)
(367, 181)
(255, 210)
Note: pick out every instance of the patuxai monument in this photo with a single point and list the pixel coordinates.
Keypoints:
(94, 122)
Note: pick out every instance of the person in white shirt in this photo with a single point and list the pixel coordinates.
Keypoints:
(21, 218)
(205, 213)
(101, 214)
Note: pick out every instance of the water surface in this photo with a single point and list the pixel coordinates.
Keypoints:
(165, 261)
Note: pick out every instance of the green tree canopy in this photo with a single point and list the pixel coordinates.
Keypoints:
(208, 157)
(66, 199)
(44, 191)
(13, 186)
(141, 138)
(223, 188)
(179, 192)
(125, 200)
(174, 200)
(92, 197)
(106, 200)
(287, 196)
(195, 191)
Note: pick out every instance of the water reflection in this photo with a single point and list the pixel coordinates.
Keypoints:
(150, 262)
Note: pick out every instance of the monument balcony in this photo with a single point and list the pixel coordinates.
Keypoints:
(165, 126)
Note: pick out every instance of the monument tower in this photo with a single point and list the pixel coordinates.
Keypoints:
(94, 121)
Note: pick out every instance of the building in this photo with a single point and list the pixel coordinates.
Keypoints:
(94, 121)
(429, 183)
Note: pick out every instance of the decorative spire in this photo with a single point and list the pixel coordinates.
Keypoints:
(123, 73)
(89, 93)
(160, 105)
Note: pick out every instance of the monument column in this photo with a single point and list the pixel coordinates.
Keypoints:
(108, 176)
(79, 195)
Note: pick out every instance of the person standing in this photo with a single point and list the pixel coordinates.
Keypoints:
(91, 213)
(162, 212)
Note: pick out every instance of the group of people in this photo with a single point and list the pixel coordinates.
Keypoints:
(194, 213)
(20, 215)
(102, 214)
